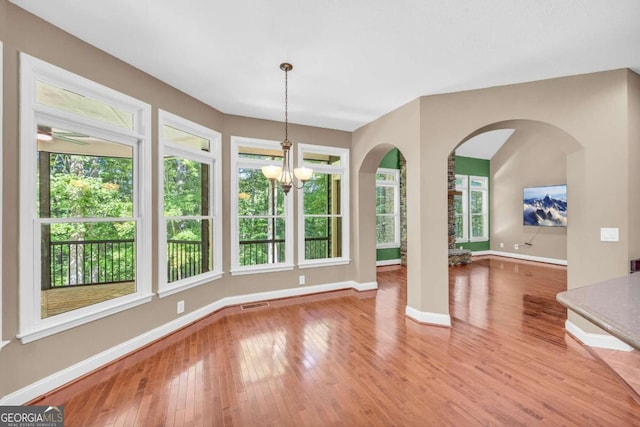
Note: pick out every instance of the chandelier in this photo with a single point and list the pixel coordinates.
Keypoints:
(283, 174)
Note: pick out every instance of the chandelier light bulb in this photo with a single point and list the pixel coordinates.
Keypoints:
(303, 174)
(272, 172)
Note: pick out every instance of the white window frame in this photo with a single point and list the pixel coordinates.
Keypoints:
(463, 188)
(236, 163)
(213, 160)
(395, 184)
(32, 327)
(2, 343)
(485, 208)
(343, 170)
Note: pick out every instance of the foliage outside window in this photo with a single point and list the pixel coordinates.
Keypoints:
(472, 208)
(388, 208)
(261, 238)
(323, 208)
(81, 198)
(191, 226)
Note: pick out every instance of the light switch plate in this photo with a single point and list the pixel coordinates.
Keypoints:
(610, 234)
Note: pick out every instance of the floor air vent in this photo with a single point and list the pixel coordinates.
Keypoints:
(254, 305)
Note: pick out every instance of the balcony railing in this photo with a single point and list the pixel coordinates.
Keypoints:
(75, 263)
(186, 259)
(78, 263)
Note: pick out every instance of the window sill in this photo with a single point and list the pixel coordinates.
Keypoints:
(3, 343)
(183, 285)
(324, 262)
(59, 325)
(256, 270)
(479, 239)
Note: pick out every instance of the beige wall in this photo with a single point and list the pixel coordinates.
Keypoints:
(23, 364)
(529, 158)
(634, 166)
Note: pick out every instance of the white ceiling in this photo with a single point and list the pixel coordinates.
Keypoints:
(484, 145)
(354, 60)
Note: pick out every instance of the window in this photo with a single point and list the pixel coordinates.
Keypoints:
(388, 208)
(479, 207)
(461, 208)
(323, 236)
(85, 188)
(262, 233)
(190, 226)
(472, 208)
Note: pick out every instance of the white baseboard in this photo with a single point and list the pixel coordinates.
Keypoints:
(596, 340)
(428, 318)
(479, 253)
(367, 286)
(86, 366)
(388, 262)
(528, 257)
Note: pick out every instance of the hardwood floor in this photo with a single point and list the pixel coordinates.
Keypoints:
(624, 363)
(346, 358)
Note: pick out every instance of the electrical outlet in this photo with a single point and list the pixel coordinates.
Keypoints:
(301, 280)
(180, 307)
(501, 245)
(516, 246)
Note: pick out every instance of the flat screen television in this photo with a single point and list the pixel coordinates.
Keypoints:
(545, 206)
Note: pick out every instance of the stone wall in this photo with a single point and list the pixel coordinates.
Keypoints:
(403, 210)
(451, 180)
(456, 256)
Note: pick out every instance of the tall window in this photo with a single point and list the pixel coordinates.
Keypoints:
(84, 184)
(472, 208)
(479, 207)
(323, 236)
(388, 208)
(191, 231)
(262, 234)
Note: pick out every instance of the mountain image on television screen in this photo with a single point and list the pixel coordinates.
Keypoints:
(545, 206)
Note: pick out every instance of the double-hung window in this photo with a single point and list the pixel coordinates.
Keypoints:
(388, 208)
(472, 208)
(191, 228)
(85, 197)
(479, 207)
(261, 226)
(323, 209)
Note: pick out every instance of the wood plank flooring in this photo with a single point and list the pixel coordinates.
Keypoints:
(353, 359)
(624, 363)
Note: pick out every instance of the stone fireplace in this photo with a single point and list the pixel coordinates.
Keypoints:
(456, 256)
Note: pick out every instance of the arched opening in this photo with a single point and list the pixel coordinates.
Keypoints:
(492, 169)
